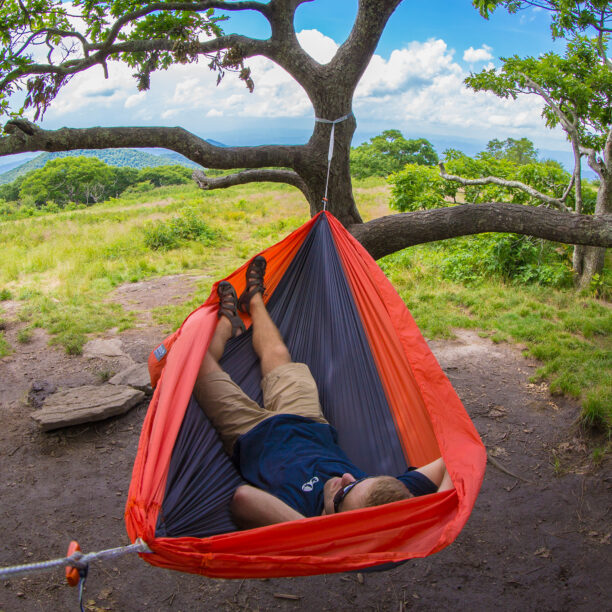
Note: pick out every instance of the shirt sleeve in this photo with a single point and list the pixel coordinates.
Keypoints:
(417, 483)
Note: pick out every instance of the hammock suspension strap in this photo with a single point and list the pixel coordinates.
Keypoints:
(77, 559)
(330, 152)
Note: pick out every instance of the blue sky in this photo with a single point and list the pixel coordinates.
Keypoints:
(414, 83)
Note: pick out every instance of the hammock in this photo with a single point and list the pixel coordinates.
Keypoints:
(379, 385)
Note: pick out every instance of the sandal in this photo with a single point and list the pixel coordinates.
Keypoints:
(228, 303)
(254, 282)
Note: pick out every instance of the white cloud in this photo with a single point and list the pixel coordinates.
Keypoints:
(420, 89)
(477, 55)
(136, 99)
(320, 47)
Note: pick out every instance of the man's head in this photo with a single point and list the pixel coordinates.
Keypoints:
(344, 493)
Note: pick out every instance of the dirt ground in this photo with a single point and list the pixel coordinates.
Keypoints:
(538, 542)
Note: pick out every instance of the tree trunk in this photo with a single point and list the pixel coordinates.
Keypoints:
(312, 165)
(589, 260)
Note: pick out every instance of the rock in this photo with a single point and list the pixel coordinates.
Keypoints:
(96, 349)
(39, 390)
(136, 376)
(84, 404)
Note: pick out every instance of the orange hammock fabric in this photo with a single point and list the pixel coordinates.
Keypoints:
(428, 416)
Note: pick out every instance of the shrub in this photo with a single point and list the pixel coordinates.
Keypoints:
(512, 258)
(166, 235)
(142, 187)
(419, 187)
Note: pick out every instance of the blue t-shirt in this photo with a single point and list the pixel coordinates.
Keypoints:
(292, 457)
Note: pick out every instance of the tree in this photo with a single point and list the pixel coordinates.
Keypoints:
(417, 187)
(150, 36)
(519, 151)
(69, 179)
(389, 152)
(577, 92)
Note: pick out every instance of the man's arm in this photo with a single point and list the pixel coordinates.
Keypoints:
(252, 507)
(436, 472)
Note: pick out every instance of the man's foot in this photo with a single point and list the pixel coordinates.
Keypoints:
(254, 282)
(228, 304)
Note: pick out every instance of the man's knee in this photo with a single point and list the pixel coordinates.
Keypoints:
(273, 357)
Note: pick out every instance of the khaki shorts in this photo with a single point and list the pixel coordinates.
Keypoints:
(288, 389)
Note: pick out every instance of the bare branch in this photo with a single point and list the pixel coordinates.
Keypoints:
(386, 235)
(25, 136)
(493, 180)
(249, 176)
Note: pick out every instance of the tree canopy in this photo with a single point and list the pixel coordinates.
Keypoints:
(46, 42)
(520, 151)
(577, 94)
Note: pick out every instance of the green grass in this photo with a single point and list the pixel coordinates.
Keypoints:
(569, 333)
(5, 347)
(63, 268)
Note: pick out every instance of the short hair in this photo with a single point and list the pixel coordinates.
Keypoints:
(387, 489)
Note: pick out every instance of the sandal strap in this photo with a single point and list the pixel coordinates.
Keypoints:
(254, 282)
(228, 307)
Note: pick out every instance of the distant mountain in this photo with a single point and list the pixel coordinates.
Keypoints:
(131, 158)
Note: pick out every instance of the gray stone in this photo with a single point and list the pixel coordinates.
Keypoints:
(136, 376)
(96, 349)
(85, 404)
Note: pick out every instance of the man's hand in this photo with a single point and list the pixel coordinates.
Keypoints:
(252, 507)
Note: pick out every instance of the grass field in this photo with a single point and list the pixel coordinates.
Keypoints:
(61, 268)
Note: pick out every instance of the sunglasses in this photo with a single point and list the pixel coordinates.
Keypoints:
(342, 493)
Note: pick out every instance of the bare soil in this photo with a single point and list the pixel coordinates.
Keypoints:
(539, 540)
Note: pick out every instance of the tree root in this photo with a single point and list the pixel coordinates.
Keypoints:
(501, 468)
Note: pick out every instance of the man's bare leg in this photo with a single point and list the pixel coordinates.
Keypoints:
(222, 334)
(267, 340)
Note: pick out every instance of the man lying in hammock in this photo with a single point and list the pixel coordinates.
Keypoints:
(287, 451)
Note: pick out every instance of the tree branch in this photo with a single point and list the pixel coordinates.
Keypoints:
(249, 176)
(353, 56)
(493, 180)
(392, 233)
(569, 125)
(247, 46)
(25, 136)
(180, 6)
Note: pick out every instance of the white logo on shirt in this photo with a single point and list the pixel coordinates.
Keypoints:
(309, 486)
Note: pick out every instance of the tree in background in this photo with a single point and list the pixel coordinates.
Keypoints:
(420, 188)
(151, 36)
(577, 92)
(389, 152)
(521, 151)
(84, 180)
